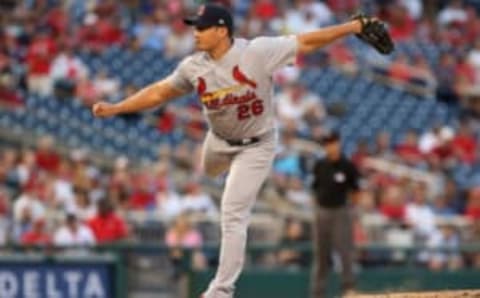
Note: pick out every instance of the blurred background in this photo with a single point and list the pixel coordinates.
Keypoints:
(122, 204)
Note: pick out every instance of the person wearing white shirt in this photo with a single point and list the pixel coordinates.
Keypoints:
(448, 238)
(28, 200)
(168, 203)
(197, 201)
(67, 66)
(419, 215)
(454, 12)
(295, 104)
(73, 233)
(321, 12)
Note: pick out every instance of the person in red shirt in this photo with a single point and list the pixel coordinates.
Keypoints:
(472, 209)
(264, 9)
(142, 197)
(36, 235)
(99, 33)
(402, 26)
(408, 150)
(46, 156)
(106, 225)
(392, 204)
(39, 57)
(464, 145)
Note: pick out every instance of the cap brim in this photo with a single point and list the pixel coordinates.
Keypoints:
(190, 21)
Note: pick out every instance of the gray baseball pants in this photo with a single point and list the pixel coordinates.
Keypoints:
(248, 167)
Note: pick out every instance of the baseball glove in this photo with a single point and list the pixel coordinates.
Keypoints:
(375, 33)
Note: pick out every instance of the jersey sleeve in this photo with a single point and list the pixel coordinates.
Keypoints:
(276, 52)
(179, 77)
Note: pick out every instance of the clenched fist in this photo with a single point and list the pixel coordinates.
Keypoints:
(104, 109)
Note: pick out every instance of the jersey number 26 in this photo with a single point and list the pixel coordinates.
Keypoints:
(245, 111)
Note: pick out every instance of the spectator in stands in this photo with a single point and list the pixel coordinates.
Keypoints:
(183, 235)
(97, 34)
(179, 42)
(429, 140)
(152, 32)
(446, 237)
(472, 209)
(408, 150)
(382, 148)
(297, 194)
(341, 56)
(73, 233)
(27, 207)
(46, 156)
(106, 86)
(392, 203)
(464, 145)
(296, 104)
(37, 235)
(66, 71)
(86, 91)
(40, 54)
(63, 195)
(362, 151)
(195, 200)
(289, 256)
(168, 202)
(106, 225)
(83, 208)
(441, 208)
(321, 12)
(8, 161)
(446, 81)
(9, 95)
(402, 26)
(142, 197)
(288, 160)
(5, 217)
(473, 237)
(264, 10)
(473, 59)
(419, 214)
(26, 170)
(444, 150)
(299, 21)
(453, 12)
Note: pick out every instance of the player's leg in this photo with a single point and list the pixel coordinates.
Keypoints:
(322, 235)
(343, 243)
(248, 171)
(213, 162)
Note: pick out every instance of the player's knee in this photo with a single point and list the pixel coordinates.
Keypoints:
(233, 222)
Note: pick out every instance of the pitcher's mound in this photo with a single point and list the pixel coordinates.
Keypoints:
(436, 294)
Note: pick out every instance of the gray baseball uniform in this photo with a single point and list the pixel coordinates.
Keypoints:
(236, 92)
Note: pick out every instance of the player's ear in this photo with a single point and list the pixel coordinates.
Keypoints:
(223, 31)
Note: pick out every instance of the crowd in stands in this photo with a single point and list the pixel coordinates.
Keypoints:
(48, 198)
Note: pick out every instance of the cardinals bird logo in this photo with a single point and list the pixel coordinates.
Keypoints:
(242, 78)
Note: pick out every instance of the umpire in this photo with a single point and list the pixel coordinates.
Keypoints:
(335, 179)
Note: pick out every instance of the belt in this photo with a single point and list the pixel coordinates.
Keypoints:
(243, 142)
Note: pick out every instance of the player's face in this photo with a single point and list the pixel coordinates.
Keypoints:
(207, 39)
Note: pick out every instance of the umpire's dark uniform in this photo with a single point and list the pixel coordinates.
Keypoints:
(335, 177)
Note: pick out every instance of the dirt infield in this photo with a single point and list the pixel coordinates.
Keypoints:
(438, 294)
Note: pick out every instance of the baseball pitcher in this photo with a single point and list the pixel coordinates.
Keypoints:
(233, 80)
